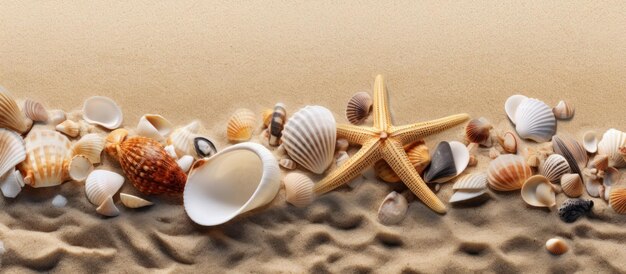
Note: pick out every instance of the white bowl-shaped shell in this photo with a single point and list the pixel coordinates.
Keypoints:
(509, 142)
(154, 126)
(101, 184)
(479, 131)
(12, 150)
(538, 191)
(563, 110)
(11, 183)
(108, 208)
(235, 180)
(102, 111)
(593, 186)
(617, 200)
(310, 136)
(508, 172)
(464, 195)
(10, 115)
(590, 142)
(556, 246)
(185, 162)
(611, 176)
(534, 120)
(611, 141)
(69, 128)
(56, 116)
(359, 107)
(79, 168)
(35, 111)
(241, 125)
(572, 185)
(572, 150)
(47, 156)
(393, 209)
(90, 146)
(298, 189)
(554, 167)
(183, 139)
(511, 105)
(474, 182)
(132, 201)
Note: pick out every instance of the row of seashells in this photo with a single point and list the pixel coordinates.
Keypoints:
(534, 119)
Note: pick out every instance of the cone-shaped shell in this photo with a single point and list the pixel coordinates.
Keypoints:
(554, 167)
(108, 208)
(479, 131)
(48, 154)
(611, 141)
(572, 185)
(508, 172)
(563, 110)
(90, 146)
(571, 150)
(101, 184)
(241, 125)
(154, 126)
(35, 111)
(132, 201)
(617, 200)
(10, 115)
(534, 120)
(474, 181)
(102, 111)
(393, 209)
(79, 168)
(298, 189)
(183, 139)
(12, 150)
(69, 128)
(557, 246)
(511, 105)
(359, 108)
(11, 183)
(449, 160)
(537, 191)
(276, 126)
(572, 209)
(590, 142)
(310, 136)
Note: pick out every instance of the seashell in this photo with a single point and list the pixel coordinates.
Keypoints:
(10, 115)
(474, 181)
(479, 131)
(342, 144)
(385, 173)
(600, 162)
(611, 176)
(101, 184)
(342, 157)
(494, 153)
(309, 138)
(572, 209)
(572, 185)
(204, 147)
(59, 201)
(622, 151)
(554, 167)
(590, 142)
(267, 116)
(473, 161)
(185, 162)
(419, 156)
(359, 108)
(279, 117)
(149, 167)
(241, 125)
(102, 111)
(183, 139)
(449, 160)
(534, 120)
(235, 180)
(115, 137)
(69, 128)
(592, 186)
(537, 191)
(509, 142)
(79, 168)
(511, 105)
(572, 150)
(617, 200)
(132, 201)
(171, 151)
(11, 183)
(56, 117)
(557, 246)
(563, 111)
(108, 208)
(463, 196)
(35, 111)
(48, 154)
(611, 141)
(90, 146)
(287, 163)
(508, 172)
(12, 150)
(393, 209)
(154, 126)
(298, 189)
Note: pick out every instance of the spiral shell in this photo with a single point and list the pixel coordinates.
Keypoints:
(393, 209)
(479, 131)
(241, 125)
(572, 185)
(563, 110)
(534, 120)
(35, 111)
(572, 209)
(279, 117)
(359, 107)
(617, 200)
(10, 115)
(298, 189)
(611, 142)
(48, 154)
(537, 191)
(91, 146)
(508, 172)
(554, 167)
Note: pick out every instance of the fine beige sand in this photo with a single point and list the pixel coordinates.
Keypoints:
(203, 59)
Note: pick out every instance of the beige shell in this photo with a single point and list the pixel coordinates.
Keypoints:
(275, 129)
(241, 125)
(393, 209)
(183, 139)
(474, 181)
(154, 126)
(590, 142)
(359, 108)
(508, 172)
(571, 150)
(342, 144)
(69, 128)
(563, 110)
(171, 151)
(554, 167)
(108, 208)
(418, 155)
(48, 154)
(342, 157)
(266, 115)
(556, 246)
(611, 176)
(56, 116)
(132, 201)
(617, 200)
(12, 150)
(611, 141)
(79, 168)
(185, 162)
(91, 146)
(101, 184)
(479, 131)
(10, 115)
(102, 111)
(461, 196)
(287, 163)
(509, 142)
(35, 111)
(572, 185)
(538, 191)
(298, 189)
(494, 153)
(385, 173)
(600, 162)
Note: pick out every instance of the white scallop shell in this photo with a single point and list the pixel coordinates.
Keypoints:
(132, 201)
(537, 191)
(310, 137)
(185, 162)
(611, 141)
(393, 209)
(554, 167)
(474, 181)
(10, 115)
(101, 184)
(534, 120)
(79, 168)
(56, 117)
(466, 195)
(154, 126)
(69, 128)
(108, 208)
(572, 185)
(90, 146)
(298, 189)
(511, 105)
(102, 111)
(183, 139)
(590, 142)
(47, 155)
(12, 150)
(35, 111)
(11, 183)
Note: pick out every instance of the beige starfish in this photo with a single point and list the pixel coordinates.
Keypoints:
(385, 141)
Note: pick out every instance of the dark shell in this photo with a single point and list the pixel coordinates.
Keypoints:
(204, 147)
(279, 117)
(441, 164)
(572, 150)
(572, 209)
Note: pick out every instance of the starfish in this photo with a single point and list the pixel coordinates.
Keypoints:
(385, 141)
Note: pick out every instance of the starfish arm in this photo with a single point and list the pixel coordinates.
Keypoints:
(394, 155)
(382, 118)
(411, 133)
(367, 156)
(356, 134)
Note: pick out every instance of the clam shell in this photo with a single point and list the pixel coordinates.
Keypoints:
(572, 209)
(393, 209)
(593, 187)
(617, 200)
(462, 196)
(508, 172)
(11, 183)
(102, 111)
(600, 162)
(572, 150)
(359, 108)
(279, 117)
(12, 150)
(572, 185)
(90, 146)
(287, 163)
(79, 168)
(298, 189)
(590, 142)
(419, 156)
(509, 142)
(48, 154)
(10, 115)
(611, 141)
(511, 105)
(132, 201)
(241, 125)
(69, 128)
(342, 145)
(310, 136)
(56, 117)
(154, 126)
(479, 131)
(108, 208)
(449, 160)
(557, 246)
(554, 167)
(563, 111)
(611, 176)
(204, 147)
(474, 182)
(35, 111)
(101, 184)
(537, 191)
(185, 162)
(183, 139)
(534, 120)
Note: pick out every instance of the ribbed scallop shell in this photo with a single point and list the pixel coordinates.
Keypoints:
(590, 142)
(35, 111)
(69, 128)
(534, 120)
(572, 150)
(132, 201)
(537, 191)
(572, 185)
(393, 209)
(48, 154)
(101, 184)
(617, 200)
(241, 125)
(511, 105)
(310, 137)
(554, 167)
(359, 107)
(508, 172)
(10, 115)
(279, 117)
(102, 111)
(563, 110)
(611, 141)
(298, 189)
(12, 150)
(183, 139)
(474, 181)
(479, 131)
(90, 146)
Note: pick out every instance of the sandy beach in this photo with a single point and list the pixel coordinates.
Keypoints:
(191, 60)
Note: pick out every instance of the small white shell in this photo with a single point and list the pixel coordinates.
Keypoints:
(287, 163)
(393, 209)
(91, 146)
(241, 125)
(10, 115)
(511, 105)
(59, 201)
(171, 151)
(474, 181)
(590, 142)
(183, 139)
(69, 128)
(79, 168)
(154, 126)
(554, 167)
(298, 189)
(461, 196)
(56, 117)
(563, 111)
(537, 191)
(359, 107)
(572, 185)
(611, 141)
(12, 150)
(556, 246)
(101, 184)
(132, 201)
(108, 208)
(102, 111)
(534, 120)
(35, 111)
(185, 162)
(11, 183)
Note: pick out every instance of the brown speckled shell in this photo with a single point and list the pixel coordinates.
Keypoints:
(150, 168)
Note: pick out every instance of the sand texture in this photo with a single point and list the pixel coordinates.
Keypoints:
(202, 60)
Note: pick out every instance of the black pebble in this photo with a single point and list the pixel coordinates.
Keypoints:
(572, 209)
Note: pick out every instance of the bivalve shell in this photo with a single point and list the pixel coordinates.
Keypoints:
(600, 162)
(563, 110)
(572, 150)
(101, 184)
(590, 142)
(154, 126)
(557, 246)
(509, 142)
(35, 111)
(79, 168)
(48, 154)
(102, 111)
(554, 167)
(479, 131)
(611, 141)
(298, 189)
(474, 181)
(534, 120)
(11, 183)
(10, 115)
(448, 161)
(279, 117)
(572, 185)
(12, 150)
(617, 200)
(90, 146)
(463, 196)
(511, 105)
(508, 172)
(393, 209)
(183, 139)
(108, 208)
(359, 108)
(132, 201)
(241, 125)
(537, 191)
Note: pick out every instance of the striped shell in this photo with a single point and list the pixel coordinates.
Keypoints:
(393, 209)
(101, 184)
(572, 150)
(359, 108)
(183, 139)
(298, 189)
(12, 150)
(10, 115)
(279, 117)
(534, 120)
(474, 181)
(478, 131)
(563, 111)
(241, 125)
(537, 191)
(48, 154)
(508, 172)
(572, 185)
(554, 167)
(35, 111)
(610, 144)
(91, 146)
(617, 200)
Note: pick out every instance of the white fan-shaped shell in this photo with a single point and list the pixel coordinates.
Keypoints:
(101, 184)
(80, 167)
(461, 156)
(90, 146)
(182, 139)
(11, 183)
(10, 115)
(69, 128)
(534, 120)
(298, 189)
(102, 111)
(47, 155)
(154, 126)
(35, 111)
(393, 209)
(572, 185)
(474, 181)
(511, 104)
(466, 195)
(590, 142)
(611, 141)
(185, 162)
(310, 137)
(554, 167)
(537, 191)
(12, 150)
(108, 208)
(132, 201)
